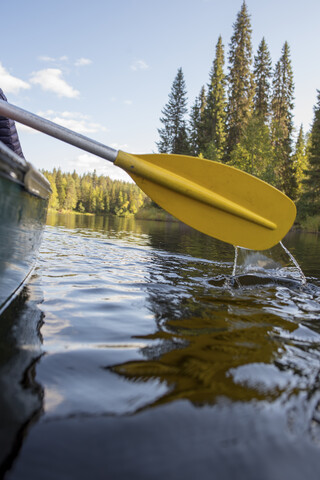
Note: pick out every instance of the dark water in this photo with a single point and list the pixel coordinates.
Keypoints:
(133, 354)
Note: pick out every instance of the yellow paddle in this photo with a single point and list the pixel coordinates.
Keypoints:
(214, 198)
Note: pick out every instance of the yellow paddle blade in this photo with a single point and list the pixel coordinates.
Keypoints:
(214, 198)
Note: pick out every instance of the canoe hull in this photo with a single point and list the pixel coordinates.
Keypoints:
(22, 218)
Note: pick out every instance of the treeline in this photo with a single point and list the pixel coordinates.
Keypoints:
(244, 116)
(91, 193)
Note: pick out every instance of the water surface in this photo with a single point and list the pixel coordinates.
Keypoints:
(135, 354)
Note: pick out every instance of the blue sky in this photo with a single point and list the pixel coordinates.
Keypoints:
(105, 67)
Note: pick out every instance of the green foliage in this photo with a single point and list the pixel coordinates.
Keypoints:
(60, 182)
(311, 198)
(300, 161)
(311, 224)
(215, 111)
(262, 76)
(283, 90)
(71, 196)
(173, 134)
(91, 193)
(207, 125)
(196, 124)
(254, 153)
(53, 200)
(240, 78)
(151, 212)
(282, 123)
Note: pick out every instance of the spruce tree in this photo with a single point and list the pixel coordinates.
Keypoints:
(173, 134)
(300, 160)
(215, 111)
(254, 152)
(71, 194)
(282, 122)
(53, 200)
(61, 188)
(240, 78)
(196, 124)
(311, 197)
(262, 76)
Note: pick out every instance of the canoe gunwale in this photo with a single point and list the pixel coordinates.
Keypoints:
(18, 170)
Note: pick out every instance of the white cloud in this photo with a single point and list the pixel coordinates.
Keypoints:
(46, 58)
(74, 121)
(11, 84)
(50, 79)
(127, 102)
(81, 62)
(86, 162)
(139, 65)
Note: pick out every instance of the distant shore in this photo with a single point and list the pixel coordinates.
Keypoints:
(147, 213)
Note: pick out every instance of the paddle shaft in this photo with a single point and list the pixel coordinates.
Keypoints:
(57, 131)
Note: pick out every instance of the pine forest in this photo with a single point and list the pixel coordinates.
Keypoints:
(243, 116)
(95, 194)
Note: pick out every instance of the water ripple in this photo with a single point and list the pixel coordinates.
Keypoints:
(140, 321)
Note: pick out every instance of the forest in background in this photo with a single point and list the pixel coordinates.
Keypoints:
(90, 193)
(242, 117)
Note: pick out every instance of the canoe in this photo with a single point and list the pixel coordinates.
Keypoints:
(24, 196)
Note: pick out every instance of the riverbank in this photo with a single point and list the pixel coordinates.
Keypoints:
(72, 212)
(147, 213)
(310, 224)
(155, 214)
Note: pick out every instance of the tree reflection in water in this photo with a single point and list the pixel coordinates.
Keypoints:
(234, 344)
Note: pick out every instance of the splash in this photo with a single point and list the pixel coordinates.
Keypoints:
(234, 270)
(296, 264)
(229, 281)
(257, 264)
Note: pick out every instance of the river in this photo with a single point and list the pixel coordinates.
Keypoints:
(134, 353)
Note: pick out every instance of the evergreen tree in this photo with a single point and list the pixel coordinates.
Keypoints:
(71, 194)
(173, 134)
(300, 160)
(76, 179)
(215, 110)
(262, 76)
(80, 208)
(254, 152)
(100, 200)
(282, 122)
(53, 200)
(61, 190)
(196, 124)
(241, 83)
(311, 197)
